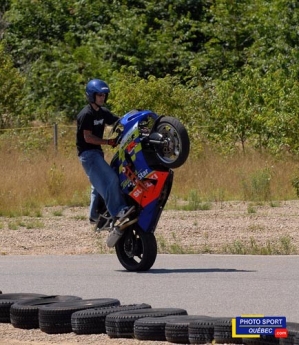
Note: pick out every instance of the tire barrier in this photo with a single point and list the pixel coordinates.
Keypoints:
(121, 324)
(64, 314)
(92, 321)
(56, 318)
(223, 332)
(177, 331)
(24, 314)
(8, 299)
(202, 331)
(293, 330)
(153, 328)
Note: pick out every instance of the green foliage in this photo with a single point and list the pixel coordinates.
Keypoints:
(227, 32)
(295, 184)
(227, 69)
(195, 203)
(60, 45)
(165, 96)
(257, 187)
(11, 92)
(27, 141)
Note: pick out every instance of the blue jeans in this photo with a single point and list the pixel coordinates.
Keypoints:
(104, 181)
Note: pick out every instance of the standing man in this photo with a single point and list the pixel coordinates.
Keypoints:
(91, 123)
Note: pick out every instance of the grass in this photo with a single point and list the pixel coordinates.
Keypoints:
(17, 224)
(33, 176)
(252, 177)
(281, 247)
(28, 182)
(31, 179)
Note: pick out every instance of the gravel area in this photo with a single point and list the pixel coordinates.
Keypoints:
(14, 336)
(227, 227)
(66, 231)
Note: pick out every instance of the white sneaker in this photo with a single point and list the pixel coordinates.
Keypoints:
(124, 213)
(113, 237)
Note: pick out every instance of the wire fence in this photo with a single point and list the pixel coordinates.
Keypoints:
(56, 136)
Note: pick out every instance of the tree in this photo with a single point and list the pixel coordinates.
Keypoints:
(4, 6)
(11, 93)
(227, 32)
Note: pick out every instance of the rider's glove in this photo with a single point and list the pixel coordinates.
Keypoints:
(112, 142)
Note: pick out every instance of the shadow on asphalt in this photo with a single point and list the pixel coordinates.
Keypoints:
(190, 270)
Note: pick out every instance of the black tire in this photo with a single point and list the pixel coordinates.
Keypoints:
(223, 332)
(121, 324)
(202, 331)
(136, 250)
(296, 339)
(24, 314)
(56, 318)
(153, 328)
(177, 331)
(175, 153)
(92, 321)
(8, 299)
(292, 332)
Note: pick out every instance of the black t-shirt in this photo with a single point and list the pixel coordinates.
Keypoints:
(95, 121)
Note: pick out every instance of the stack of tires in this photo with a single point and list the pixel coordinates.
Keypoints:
(66, 313)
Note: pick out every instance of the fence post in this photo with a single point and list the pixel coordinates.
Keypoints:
(55, 127)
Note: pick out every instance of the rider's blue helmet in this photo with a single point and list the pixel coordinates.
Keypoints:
(96, 86)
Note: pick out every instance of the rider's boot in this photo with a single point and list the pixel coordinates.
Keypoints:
(122, 216)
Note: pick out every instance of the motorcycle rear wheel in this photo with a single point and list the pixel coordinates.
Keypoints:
(136, 250)
(176, 150)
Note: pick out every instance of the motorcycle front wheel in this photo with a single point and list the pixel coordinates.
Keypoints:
(175, 150)
(136, 250)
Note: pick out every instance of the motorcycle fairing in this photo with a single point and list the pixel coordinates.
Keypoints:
(147, 189)
(132, 118)
(137, 179)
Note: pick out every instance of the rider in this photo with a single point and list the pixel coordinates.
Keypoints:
(91, 122)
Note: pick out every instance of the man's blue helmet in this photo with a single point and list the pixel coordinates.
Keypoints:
(96, 86)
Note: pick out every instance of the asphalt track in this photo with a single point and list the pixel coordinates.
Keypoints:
(213, 285)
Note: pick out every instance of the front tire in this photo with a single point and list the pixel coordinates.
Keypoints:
(136, 250)
(175, 151)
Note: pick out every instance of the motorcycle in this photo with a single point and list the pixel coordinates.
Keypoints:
(150, 147)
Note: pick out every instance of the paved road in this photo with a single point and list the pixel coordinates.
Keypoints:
(213, 285)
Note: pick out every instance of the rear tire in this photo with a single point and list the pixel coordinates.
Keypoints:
(136, 250)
